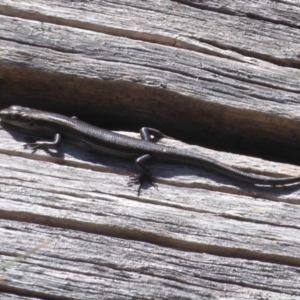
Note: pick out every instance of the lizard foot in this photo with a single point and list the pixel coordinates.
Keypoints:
(140, 179)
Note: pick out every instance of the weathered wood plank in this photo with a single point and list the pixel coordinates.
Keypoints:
(259, 96)
(170, 22)
(109, 267)
(241, 115)
(86, 198)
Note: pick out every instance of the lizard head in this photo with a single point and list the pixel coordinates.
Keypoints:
(17, 116)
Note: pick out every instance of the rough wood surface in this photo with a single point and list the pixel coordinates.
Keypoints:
(101, 239)
(69, 224)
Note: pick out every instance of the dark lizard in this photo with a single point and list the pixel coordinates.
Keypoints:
(111, 143)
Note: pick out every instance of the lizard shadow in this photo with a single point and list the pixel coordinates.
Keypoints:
(223, 183)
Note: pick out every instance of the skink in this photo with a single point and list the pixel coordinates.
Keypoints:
(111, 143)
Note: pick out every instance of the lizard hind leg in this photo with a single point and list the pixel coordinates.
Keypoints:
(144, 175)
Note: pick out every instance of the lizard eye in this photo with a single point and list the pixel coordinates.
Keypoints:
(13, 116)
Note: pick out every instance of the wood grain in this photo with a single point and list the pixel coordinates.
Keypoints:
(81, 207)
(223, 74)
